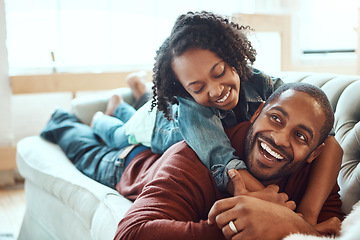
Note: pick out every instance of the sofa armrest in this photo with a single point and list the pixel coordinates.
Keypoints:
(59, 195)
(85, 107)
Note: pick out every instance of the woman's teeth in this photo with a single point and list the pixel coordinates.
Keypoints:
(224, 98)
(271, 152)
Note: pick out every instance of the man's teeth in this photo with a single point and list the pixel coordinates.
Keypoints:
(271, 152)
(224, 98)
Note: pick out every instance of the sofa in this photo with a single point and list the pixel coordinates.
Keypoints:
(62, 203)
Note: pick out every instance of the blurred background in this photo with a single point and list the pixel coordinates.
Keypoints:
(47, 37)
(44, 43)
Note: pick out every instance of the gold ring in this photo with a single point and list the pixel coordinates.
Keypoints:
(233, 227)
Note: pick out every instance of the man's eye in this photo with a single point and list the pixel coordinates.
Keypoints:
(275, 118)
(301, 137)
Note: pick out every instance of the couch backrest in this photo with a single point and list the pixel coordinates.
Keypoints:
(344, 94)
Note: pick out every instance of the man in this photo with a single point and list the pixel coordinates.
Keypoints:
(282, 140)
(286, 136)
(174, 192)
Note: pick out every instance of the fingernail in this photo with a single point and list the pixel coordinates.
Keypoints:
(231, 173)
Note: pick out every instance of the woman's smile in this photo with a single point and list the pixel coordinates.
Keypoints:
(224, 98)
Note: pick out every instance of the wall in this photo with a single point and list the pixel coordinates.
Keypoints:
(5, 93)
(20, 115)
(7, 153)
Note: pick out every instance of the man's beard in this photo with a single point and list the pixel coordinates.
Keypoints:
(257, 168)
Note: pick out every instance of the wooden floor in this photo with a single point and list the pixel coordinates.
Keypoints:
(12, 209)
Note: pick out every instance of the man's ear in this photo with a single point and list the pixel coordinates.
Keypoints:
(257, 112)
(315, 153)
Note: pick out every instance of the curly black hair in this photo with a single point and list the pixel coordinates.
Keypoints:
(206, 31)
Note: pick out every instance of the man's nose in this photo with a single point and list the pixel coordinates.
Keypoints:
(215, 90)
(281, 137)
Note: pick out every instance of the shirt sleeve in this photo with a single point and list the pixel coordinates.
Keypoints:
(175, 204)
(203, 131)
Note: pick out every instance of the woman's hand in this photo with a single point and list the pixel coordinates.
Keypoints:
(270, 193)
(331, 227)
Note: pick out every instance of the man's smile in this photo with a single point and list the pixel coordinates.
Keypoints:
(270, 154)
(267, 151)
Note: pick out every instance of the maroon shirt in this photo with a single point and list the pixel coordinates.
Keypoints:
(174, 193)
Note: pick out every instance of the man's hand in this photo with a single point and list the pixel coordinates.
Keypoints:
(270, 193)
(254, 213)
(254, 218)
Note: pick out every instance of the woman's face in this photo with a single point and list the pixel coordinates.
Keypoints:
(207, 78)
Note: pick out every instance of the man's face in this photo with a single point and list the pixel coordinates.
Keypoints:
(284, 136)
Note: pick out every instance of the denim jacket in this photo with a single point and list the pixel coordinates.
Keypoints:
(203, 127)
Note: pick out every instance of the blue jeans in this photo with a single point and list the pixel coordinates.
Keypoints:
(88, 153)
(111, 129)
(203, 130)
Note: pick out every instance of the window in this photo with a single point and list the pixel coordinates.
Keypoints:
(112, 35)
(328, 25)
(92, 35)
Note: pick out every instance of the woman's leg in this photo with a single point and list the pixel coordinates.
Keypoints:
(84, 149)
(137, 83)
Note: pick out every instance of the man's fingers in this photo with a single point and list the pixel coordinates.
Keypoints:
(291, 205)
(228, 232)
(219, 207)
(238, 182)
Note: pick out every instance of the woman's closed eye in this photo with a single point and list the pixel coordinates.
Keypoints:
(221, 74)
(219, 70)
(198, 90)
(196, 87)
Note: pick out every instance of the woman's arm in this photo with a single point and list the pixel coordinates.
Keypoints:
(323, 175)
(250, 183)
(203, 131)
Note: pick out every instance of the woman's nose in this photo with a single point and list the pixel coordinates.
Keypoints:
(215, 90)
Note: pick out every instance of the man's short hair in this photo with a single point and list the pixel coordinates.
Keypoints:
(320, 97)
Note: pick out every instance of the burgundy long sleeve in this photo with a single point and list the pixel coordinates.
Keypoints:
(175, 202)
(174, 193)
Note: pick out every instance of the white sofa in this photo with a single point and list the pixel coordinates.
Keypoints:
(62, 203)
